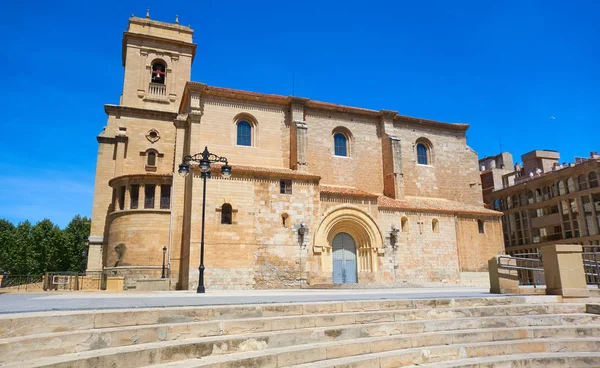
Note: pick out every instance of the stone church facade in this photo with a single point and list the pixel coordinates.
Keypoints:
(320, 193)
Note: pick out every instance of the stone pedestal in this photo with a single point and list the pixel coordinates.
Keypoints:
(563, 268)
(503, 281)
(115, 283)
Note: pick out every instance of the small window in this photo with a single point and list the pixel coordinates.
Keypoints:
(158, 73)
(422, 156)
(285, 187)
(284, 220)
(149, 196)
(435, 226)
(165, 197)
(340, 144)
(226, 214)
(404, 224)
(244, 133)
(122, 197)
(134, 194)
(481, 226)
(151, 161)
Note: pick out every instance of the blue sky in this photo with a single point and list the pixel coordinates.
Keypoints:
(504, 67)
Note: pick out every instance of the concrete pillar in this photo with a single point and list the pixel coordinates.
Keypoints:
(503, 281)
(179, 250)
(127, 204)
(594, 229)
(563, 269)
(121, 141)
(94, 258)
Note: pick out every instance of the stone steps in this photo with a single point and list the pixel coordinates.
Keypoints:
(349, 333)
(326, 355)
(562, 359)
(274, 345)
(13, 325)
(37, 346)
(340, 324)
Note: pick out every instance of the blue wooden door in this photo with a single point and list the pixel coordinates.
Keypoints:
(344, 259)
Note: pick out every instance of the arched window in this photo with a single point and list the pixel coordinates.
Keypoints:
(583, 185)
(515, 200)
(244, 133)
(404, 224)
(340, 144)
(509, 203)
(529, 197)
(284, 220)
(435, 226)
(151, 159)
(593, 178)
(481, 226)
(226, 216)
(496, 205)
(159, 72)
(422, 154)
(570, 185)
(561, 188)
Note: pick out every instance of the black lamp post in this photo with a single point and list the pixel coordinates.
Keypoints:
(204, 160)
(163, 266)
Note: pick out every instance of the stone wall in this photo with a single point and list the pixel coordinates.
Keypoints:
(144, 233)
(476, 249)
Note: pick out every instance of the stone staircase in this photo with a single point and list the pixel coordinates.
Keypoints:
(506, 331)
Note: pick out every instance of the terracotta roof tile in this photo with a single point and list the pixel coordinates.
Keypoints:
(345, 191)
(434, 205)
(270, 171)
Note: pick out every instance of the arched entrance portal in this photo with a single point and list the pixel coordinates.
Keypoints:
(344, 259)
(347, 234)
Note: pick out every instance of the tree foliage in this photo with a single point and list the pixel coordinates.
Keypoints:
(43, 247)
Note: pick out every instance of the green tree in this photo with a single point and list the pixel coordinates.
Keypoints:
(7, 245)
(48, 247)
(22, 254)
(76, 233)
(44, 247)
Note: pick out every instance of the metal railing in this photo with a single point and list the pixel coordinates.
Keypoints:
(22, 282)
(591, 265)
(529, 267)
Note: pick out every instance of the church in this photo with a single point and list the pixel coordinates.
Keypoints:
(302, 193)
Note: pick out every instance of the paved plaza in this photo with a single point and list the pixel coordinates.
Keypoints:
(36, 302)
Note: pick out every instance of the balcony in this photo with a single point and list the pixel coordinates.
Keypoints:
(157, 89)
(546, 221)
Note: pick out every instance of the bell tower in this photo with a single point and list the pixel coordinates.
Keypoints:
(157, 57)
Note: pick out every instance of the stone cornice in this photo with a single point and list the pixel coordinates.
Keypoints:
(118, 110)
(142, 178)
(234, 94)
(267, 172)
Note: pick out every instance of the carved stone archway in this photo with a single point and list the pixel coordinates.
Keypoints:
(358, 224)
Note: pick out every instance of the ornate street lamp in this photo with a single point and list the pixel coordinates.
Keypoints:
(204, 160)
